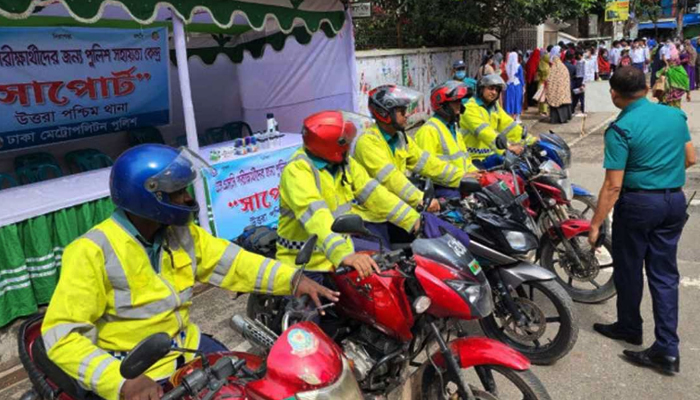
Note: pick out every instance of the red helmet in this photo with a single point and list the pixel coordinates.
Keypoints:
(447, 92)
(329, 134)
(383, 100)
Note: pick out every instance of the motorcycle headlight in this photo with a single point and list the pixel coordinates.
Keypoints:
(565, 184)
(344, 388)
(477, 295)
(520, 241)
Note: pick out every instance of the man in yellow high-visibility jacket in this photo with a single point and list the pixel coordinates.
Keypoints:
(485, 122)
(133, 275)
(440, 135)
(321, 183)
(388, 154)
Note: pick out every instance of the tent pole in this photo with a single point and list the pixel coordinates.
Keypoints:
(183, 73)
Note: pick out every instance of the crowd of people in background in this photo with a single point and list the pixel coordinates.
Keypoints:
(554, 79)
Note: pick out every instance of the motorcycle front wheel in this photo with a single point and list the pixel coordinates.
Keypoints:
(585, 285)
(551, 329)
(266, 309)
(496, 383)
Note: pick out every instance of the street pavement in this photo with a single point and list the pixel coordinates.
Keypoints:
(593, 370)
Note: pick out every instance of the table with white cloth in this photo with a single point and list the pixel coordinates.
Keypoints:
(38, 221)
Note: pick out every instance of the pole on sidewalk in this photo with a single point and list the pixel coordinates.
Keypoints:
(183, 73)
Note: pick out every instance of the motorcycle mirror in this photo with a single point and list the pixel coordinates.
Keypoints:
(350, 224)
(501, 142)
(469, 186)
(145, 354)
(428, 190)
(306, 251)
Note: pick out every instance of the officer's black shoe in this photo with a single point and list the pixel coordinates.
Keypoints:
(649, 358)
(612, 332)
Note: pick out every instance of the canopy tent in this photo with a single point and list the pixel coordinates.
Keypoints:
(688, 20)
(248, 58)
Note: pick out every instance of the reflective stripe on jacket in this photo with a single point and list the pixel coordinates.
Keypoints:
(436, 138)
(109, 297)
(311, 199)
(372, 151)
(480, 129)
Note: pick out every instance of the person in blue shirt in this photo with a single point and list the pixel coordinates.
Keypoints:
(647, 150)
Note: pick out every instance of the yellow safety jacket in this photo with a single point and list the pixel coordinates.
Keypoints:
(311, 199)
(435, 137)
(389, 168)
(481, 127)
(109, 298)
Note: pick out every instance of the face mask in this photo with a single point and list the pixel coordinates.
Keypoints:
(460, 75)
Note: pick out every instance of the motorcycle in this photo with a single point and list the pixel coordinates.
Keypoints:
(302, 363)
(564, 247)
(502, 238)
(386, 321)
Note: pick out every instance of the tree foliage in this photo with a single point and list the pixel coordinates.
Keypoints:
(457, 22)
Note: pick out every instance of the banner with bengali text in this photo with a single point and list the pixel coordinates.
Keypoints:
(245, 191)
(65, 83)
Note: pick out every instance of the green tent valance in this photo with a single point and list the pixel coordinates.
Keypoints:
(311, 13)
(30, 255)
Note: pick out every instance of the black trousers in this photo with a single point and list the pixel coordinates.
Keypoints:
(646, 231)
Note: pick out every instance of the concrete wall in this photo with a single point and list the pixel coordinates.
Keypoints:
(421, 69)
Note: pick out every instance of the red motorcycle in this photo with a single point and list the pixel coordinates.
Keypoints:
(583, 272)
(386, 321)
(302, 363)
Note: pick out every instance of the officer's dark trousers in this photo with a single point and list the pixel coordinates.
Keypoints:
(646, 230)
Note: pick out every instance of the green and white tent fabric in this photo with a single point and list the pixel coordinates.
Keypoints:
(31, 248)
(310, 13)
(30, 255)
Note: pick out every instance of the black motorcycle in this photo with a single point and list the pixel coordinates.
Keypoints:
(534, 314)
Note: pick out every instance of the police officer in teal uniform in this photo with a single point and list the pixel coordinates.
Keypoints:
(647, 150)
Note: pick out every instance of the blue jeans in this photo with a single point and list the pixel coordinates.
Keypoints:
(646, 230)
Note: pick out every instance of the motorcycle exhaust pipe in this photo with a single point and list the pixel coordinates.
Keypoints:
(254, 332)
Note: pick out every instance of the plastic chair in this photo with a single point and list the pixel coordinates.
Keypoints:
(238, 129)
(216, 135)
(87, 160)
(7, 181)
(145, 135)
(35, 159)
(37, 173)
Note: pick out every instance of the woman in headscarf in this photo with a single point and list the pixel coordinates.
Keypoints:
(677, 82)
(688, 58)
(558, 90)
(542, 75)
(531, 76)
(514, 89)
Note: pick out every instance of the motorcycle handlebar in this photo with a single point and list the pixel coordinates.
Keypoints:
(175, 394)
(385, 261)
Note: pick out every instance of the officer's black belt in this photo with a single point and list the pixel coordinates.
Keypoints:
(657, 191)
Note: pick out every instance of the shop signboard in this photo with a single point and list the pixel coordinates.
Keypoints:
(617, 10)
(65, 83)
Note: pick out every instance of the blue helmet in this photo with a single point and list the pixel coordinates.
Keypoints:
(144, 176)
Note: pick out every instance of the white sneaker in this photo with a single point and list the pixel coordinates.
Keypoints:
(581, 115)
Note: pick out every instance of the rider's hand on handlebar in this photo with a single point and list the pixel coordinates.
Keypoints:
(434, 206)
(315, 291)
(516, 148)
(141, 388)
(363, 263)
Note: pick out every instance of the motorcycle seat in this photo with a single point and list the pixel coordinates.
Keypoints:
(67, 384)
